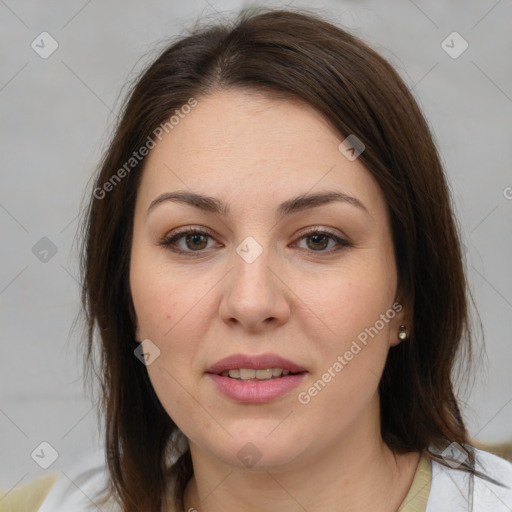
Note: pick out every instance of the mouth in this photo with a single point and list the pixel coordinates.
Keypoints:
(255, 379)
(252, 374)
(259, 367)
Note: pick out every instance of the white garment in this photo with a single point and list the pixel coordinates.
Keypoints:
(78, 489)
(451, 489)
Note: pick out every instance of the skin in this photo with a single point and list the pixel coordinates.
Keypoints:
(300, 299)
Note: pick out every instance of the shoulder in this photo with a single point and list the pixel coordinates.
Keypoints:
(454, 490)
(79, 489)
(500, 468)
(27, 497)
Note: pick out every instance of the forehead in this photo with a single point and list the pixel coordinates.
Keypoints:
(242, 124)
(237, 143)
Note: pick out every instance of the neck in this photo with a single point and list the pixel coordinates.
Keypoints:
(358, 473)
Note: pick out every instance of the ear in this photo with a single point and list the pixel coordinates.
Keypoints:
(402, 317)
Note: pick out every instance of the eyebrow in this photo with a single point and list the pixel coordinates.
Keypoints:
(288, 207)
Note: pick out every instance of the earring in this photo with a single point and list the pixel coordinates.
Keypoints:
(402, 335)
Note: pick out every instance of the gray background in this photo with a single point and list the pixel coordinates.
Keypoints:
(56, 115)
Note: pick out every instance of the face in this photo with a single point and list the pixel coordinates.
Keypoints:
(263, 277)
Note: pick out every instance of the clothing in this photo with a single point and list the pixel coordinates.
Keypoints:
(28, 497)
(435, 488)
(417, 497)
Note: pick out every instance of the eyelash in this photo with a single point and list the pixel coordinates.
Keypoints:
(169, 241)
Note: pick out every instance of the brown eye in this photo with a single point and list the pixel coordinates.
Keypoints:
(194, 241)
(197, 241)
(318, 241)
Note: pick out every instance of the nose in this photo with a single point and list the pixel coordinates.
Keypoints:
(255, 296)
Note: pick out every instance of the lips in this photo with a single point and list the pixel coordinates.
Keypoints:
(254, 362)
(240, 386)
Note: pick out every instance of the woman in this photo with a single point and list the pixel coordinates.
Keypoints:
(273, 268)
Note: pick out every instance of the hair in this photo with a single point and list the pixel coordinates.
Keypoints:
(293, 55)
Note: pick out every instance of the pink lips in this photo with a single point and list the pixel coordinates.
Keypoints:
(255, 391)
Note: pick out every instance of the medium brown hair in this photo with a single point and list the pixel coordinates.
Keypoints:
(293, 54)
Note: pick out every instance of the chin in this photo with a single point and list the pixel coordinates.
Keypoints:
(258, 451)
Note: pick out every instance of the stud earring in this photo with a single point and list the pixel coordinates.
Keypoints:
(402, 335)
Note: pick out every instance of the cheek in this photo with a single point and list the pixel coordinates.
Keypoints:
(172, 322)
(164, 299)
(174, 387)
(169, 309)
(351, 302)
(170, 325)
(351, 361)
(356, 312)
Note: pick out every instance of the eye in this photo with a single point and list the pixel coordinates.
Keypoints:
(195, 240)
(319, 240)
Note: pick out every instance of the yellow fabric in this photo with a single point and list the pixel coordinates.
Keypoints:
(417, 497)
(28, 497)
